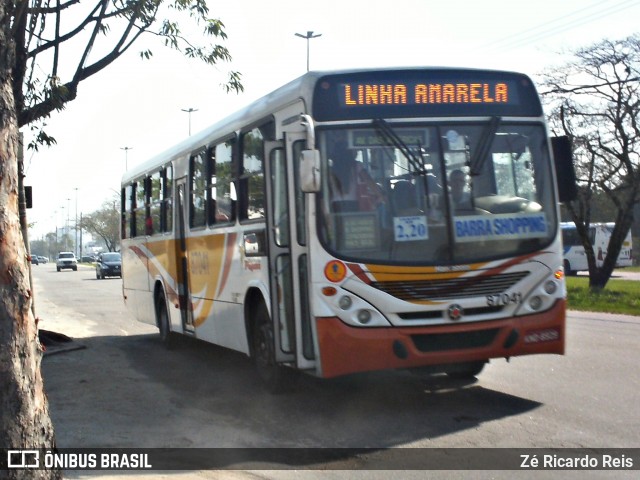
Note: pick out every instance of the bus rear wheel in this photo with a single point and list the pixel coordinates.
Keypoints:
(276, 378)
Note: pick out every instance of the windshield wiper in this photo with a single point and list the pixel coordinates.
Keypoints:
(391, 136)
(416, 161)
(484, 145)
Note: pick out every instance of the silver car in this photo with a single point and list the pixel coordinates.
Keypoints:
(66, 260)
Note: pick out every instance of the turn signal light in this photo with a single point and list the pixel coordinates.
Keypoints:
(329, 291)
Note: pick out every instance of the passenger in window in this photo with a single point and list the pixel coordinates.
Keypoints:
(460, 197)
(405, 199)
(221, 217)
(351, 186)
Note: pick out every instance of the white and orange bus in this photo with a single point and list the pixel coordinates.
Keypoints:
(358, 220)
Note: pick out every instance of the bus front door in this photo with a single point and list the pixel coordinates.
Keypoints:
(287, 256)
(182, 258)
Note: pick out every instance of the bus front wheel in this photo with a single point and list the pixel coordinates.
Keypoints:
(465, 371)
(166, 335)
(275, 378)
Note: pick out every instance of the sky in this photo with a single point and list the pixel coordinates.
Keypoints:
(133, 110)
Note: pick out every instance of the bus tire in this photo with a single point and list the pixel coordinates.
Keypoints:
(162, 317)
(275, 378)
(567, 269)
(465, 371)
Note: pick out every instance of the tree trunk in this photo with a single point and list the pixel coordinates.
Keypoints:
(598, 279)
(24, 410)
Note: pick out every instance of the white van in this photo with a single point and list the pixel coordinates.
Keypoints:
(575, 258)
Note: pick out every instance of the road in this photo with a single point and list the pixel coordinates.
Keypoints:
(118, 387)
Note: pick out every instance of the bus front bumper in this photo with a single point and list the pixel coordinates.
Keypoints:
(345, 349)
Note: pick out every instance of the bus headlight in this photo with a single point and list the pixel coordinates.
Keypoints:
(364, 316)
(550, 287)
(353, 310)
(345, 302)
(535, 302)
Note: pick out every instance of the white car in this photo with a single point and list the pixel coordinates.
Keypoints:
(66, 260)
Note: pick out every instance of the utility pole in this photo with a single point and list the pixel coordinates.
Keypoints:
(75, 236)
(80, 236)
(67, 235)
(308, 36)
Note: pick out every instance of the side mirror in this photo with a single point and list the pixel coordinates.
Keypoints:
(310, 171)
(565, 173)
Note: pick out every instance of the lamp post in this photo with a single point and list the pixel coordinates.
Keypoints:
(61, 228)
(126, 156)
(75, 236)
(308, 36)
(189, 111)
(67, 235)
(55, 220)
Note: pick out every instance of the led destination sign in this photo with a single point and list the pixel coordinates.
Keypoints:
(423, 93)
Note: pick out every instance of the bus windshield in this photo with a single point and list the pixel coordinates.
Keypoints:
(427, 194)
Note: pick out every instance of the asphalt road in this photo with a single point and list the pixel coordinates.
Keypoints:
(115, 385)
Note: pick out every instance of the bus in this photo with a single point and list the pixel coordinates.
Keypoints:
(575, 258)
(322, 228)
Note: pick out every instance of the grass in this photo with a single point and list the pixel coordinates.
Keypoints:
(619, 296)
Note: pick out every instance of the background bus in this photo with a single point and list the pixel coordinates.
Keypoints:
(357, 220)
(575, 258)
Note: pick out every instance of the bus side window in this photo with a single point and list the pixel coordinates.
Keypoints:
(155, 205)
(125, 212)
(166, 209)
(140, 209)
(222, 182)
(210, 172)
(197, 178)
(252, 176)
(148, 225)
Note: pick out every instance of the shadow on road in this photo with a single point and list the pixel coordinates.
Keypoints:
(131, 392)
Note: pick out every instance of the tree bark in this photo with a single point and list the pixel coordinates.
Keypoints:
(24, 412)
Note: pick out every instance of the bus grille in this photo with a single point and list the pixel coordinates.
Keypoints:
(451, 288)
(454, 341)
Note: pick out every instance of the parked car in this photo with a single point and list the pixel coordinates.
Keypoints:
(34, 260)
(87, 259)
(66, 260)
(109, 264)
(42, 259)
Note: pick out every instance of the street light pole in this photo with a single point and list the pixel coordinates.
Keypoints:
(189, 111)
(308, 36)
(75, 236)
(62, 226)
(126, 156)
(67, 235)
